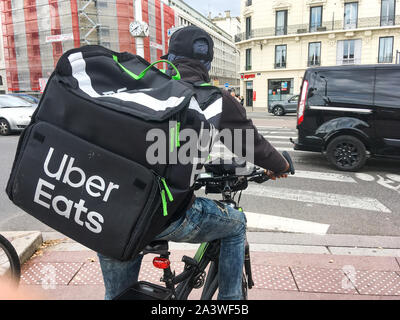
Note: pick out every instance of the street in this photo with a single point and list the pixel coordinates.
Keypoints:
(318, 199)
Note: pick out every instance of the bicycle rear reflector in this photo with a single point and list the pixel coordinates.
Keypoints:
(161, 263)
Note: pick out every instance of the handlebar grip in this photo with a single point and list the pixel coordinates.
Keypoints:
(286, 155)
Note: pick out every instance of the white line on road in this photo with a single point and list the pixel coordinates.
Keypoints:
(323, 198)
(277, 137)
(274, 223)
(325, 176)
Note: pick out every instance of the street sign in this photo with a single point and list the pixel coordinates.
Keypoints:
(173, 29)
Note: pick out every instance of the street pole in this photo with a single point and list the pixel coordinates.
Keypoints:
(139, 40)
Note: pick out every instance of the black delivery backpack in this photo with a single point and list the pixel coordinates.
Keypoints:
(82, 165)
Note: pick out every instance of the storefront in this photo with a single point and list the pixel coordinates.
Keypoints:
(280, 89)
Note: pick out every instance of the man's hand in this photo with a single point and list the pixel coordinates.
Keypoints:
(273, 176)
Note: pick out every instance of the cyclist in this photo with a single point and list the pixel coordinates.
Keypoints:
(203, 220)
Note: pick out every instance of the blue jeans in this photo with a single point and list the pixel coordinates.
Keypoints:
(205, 221)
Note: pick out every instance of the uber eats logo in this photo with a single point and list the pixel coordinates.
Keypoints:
(65, 172)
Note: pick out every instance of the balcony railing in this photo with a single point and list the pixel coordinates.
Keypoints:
(385, 59)
(336, 25)
(314, 62)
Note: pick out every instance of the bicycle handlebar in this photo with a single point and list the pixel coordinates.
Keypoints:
(257, 174)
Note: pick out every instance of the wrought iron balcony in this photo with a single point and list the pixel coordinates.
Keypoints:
(335, 25)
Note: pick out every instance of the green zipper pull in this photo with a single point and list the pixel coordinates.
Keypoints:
(164, 203)
(170, 197)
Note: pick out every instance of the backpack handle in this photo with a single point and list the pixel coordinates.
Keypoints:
(143, 73)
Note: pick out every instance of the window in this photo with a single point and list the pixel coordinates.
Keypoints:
(248, 27)
(388, 12)
(249, 3)
(385, 50)
(344, 86)
(386, 93)
(280, 56)
(314, 54)
(281, 23)
(350, 15)
(248, 59)
(349, 52)
(315, 18)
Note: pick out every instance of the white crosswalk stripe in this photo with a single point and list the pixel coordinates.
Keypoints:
(343, 203)
(274, 223)
(323, 198)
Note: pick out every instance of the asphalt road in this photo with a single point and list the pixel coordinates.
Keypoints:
(317, 198)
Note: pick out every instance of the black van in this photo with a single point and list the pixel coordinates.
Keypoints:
(350, 112)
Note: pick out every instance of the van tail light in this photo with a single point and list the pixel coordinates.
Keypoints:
(161, 263)
(302, 103)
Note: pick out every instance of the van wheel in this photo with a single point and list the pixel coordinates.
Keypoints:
(278, 111)
(347, 153)
(4, 127)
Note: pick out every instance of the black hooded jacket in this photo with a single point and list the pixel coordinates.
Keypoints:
(233, 117)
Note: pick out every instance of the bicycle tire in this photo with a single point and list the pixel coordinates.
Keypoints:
(13, 259)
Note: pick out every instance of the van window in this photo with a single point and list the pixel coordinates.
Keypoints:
(346, 86)
(386, 88)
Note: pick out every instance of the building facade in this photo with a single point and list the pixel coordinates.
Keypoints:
(3, 74)
(37, 32)
(280, 39)
(225, 66)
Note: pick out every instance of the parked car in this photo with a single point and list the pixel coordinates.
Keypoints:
(280, 108)
(15, 114)
(27, 97)
(349, 113)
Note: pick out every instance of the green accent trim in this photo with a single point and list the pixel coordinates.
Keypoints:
(164, 203)
(170, 197)
(205, 85)
(200, 252)
(172, 139)
(143, 73)
(240, 209)
(178, 128)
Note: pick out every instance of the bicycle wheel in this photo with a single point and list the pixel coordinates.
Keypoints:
(10, 267)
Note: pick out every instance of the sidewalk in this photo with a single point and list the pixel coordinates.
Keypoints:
(285, 266)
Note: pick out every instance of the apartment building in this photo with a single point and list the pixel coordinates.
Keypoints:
(37, 32)
(282, 38)
(225, 66)
(3, 76)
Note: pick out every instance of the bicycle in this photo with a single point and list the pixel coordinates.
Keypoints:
(10, 267)
(218, 179)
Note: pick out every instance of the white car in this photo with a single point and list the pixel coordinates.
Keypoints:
(15, 114)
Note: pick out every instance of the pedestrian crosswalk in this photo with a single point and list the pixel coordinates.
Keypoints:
(331, 192)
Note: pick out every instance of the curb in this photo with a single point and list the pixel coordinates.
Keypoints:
(27, 242)
(24, 242)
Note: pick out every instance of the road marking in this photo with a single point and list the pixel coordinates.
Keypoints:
(323, 198)
(275, 223)
(365, 177)
(277, 137)
(290, 150)
(325, 176)
(284, 132)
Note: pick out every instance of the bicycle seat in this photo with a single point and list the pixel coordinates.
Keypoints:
(223, 167)
(156, 247)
